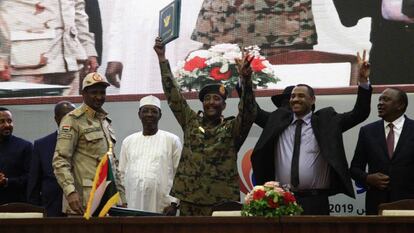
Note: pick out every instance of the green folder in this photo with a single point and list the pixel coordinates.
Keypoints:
(169, 22)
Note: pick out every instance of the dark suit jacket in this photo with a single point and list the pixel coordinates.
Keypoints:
(15, 155)
(372, 150)
(95, 24)
(43, 188)
(392, 53)
(328, 127)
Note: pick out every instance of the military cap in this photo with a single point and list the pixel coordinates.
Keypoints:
(215, 89)
(92, 79)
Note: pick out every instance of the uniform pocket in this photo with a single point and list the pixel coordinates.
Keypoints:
(29, 49)
(94, 137)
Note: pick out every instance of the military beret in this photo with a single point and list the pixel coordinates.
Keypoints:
(213, 89)
(92, 79)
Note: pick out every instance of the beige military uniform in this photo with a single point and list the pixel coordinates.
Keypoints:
(84, 137)
(47, 36)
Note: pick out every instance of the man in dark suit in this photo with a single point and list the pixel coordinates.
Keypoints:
(392, 53)
(43, 189)
(15, 154)
(316, 150)
(387, 147)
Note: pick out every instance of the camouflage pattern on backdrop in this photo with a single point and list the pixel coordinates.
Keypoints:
(266, 23)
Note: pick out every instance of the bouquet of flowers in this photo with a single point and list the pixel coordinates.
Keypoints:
(218, 65)
(270, 200)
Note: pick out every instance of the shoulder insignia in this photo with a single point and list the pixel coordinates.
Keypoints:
(77, 112)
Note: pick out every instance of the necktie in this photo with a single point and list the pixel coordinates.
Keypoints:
(390, 140)
(294, 172)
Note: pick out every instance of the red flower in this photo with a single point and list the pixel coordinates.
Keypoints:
(257, 64)
(272, 204)
(195, 63)
(259, 194)
(288, 198)
(217, 75)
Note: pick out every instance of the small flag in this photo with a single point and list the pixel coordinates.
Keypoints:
(104, 194)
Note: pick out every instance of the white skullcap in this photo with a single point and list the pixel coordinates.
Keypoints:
(150, 100)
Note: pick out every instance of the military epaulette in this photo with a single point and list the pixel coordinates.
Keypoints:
(78, 112)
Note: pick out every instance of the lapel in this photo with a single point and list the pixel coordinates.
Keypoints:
(277, 122)
(51, 144)
(403, 137)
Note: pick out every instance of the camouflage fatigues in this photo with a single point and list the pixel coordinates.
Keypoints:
(191, 209)
(83, 139)
(266, 23)
(207, 172)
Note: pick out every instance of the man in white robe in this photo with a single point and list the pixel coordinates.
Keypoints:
(148, 162)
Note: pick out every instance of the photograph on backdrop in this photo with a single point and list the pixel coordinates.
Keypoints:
(293, 41)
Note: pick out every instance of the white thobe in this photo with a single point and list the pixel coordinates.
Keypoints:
(147, 167)
(131, 37)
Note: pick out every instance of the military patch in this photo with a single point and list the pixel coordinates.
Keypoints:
(65, 136)
(65, 128)
(201, 129)
(94, 129)
(97, 77)
(222, 90)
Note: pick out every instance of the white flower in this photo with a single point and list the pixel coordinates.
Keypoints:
(224, 68)
(271, 184)
(215, 59)
(231, 56)
(258, 187)
(224, 48)
(199, 53)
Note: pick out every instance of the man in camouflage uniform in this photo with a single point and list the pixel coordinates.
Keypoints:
(85, 136)
(273, 25)
(207, 172)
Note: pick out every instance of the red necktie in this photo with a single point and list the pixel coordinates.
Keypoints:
(390, 140)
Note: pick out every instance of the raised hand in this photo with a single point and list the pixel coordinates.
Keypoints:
(244, 68)
(159, 49)
(363, 68)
